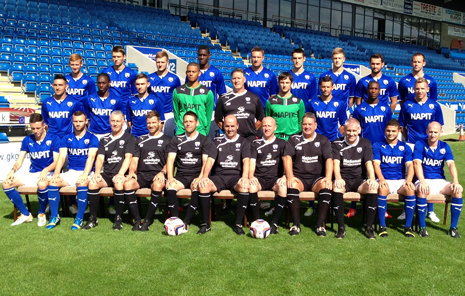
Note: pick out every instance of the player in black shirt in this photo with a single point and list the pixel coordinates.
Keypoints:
(190, 151)
(353, 171)
(266, 168)
(309, 167)
(243, 104)
(147, 170)
(114, 156)
(230, 156)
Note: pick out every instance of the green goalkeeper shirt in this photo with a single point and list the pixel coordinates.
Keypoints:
(200, 100)
(288, 113)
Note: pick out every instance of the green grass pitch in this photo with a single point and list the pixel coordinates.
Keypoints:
(36, 261)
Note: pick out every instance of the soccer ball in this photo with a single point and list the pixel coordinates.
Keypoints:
(260, 229)
(174, 226)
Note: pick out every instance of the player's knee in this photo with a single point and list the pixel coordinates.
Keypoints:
(253, 189)
(43, 184)
(241, 189)
(157, 186)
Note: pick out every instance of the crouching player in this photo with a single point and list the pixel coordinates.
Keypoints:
(114, 156)
(309, 167)
(43, 148)
(81, 148)
(230, 157)
(147, 170)
(428, 160)
(391, 158)
(266, 171)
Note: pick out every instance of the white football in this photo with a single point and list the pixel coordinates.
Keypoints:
(260, 229)
(174, 226)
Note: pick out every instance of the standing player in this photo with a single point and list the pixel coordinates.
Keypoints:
(260, 80)
(147, 169)
(190, 152)
(392, 161)
(304, 85)
(80, 149)
(140, 105)
(373, 116)
(388, 88)
(266, 169)
(414, 117)
(243, 104)
(162, 85)
(121, 77)
(195, 97)
(429, 157)
(43, 149)
(353, 172)
(407, 84)
(309, 167)
(79, 84)
(230, 158)
(114, 156)
(59, 108)
(212, 78)
(98, 107)
(285, 108)
(329, 111)
(344, 81)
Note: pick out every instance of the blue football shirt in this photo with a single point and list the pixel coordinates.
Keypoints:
(137, 109)
(328, 115)
(58, 115)
(304, 86)
(98, 111)
(263, 84)
(373, 120)
(163, 87)
(407, 88)
(80, 88)
(392, 158)
(387, 88)
(41, 152)
(432, 160)
(78, 149)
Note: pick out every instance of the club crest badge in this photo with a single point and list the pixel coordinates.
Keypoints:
(170, 79)
(202, 91)
(443, 151)
(307, 77)
(359, 149)
(121, 142)
(84, 82)
(385, 82)
(431, 106)
(70, 104)
(212, 74)
(266, 75)
(48, 143)
(112, 102)
(346, 77)
(86, 141)
(383, 108)
(151, 102)
(336, 104)
(317, 144)
(401, 148)
(127, 75)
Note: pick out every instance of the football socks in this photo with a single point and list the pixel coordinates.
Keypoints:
(241, 206)
(382, 207)
(294, 205)
(253, 206)
(324, 198)
(193, 205)
(409, 207)
(154, 202)
(430, 207)
(172, 202)
(279, 208)
(81, 201)
(421, 208)
(53, 199)
(119, 202)
(43, 201)
(131, 199)
(17, 200)
(455, 210)
(353, 205)
(93, 197)
(204, 202)
(371, 205)
(338, 206)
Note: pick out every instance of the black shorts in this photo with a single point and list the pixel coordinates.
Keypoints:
(308, 182)
(267, 184)
(108, 179)
(352, 185)
(225, 182)
(186, 180)
(145, 179)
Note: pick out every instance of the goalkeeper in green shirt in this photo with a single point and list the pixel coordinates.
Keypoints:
(285, 108)
(195, 97)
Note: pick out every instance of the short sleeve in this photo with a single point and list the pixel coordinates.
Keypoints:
(368, 154)
(94, 143)
(246, 153)
(219, 109)
(24, 144)
(101, 148)
(335, 152)
(172, 146)
(358, 89)
(352, 86)
(289, 149)
(56, 145)
(448, 155)
(326, 148)
(376, 152)
(137, 149)
(408, 154)
(393, 92)
(130, 146)
(418, 151)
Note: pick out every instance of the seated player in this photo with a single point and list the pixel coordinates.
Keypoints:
(43, 149)
(140, 104)
(285, 108)
(80, 148)
(266, 170)
(147, 169)
(190, 152)
(353, 172)
(391, 158)
(309, 167)
(429, 157)
(373, 116)
(229, 157)
(114, 156)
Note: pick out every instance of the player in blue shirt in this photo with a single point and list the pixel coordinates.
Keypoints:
(43, 151)
(59, 108)
(140, 105)
(391, 158)
(79, 84)
(429, 158)
(388, 87)
(260, 80)
(121, 77)
(304, 86)
(162, 85)
(212, 78)
(99, 106)
(407, 84)
(329, 111)
(344, 81)
(415, 115)
(373, 114)
(80, 148)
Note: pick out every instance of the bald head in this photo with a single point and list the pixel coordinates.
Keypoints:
(434, 125)
(269, 121)
(230, 126)
(231, 119)
(352, 122)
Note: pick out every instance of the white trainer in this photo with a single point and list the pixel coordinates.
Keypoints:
(432, 216)
(309, 212)
(73, 209)
(22, 219)
(269, 212)
(401, 216)
(41, 220)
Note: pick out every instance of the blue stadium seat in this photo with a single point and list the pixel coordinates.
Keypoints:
(4, 138)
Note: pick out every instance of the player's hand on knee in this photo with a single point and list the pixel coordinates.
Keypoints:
(292, 182)
(409, 185)
(254, 181)
(383, 184)
(160, 177)
(282, 181)
(339, 184)
(82, 179)
(43, 175)
(204, 182)
(96, 178)
(119, 178)
(456, 188)
(56, 178)
(372, 184)
(131, 176)
(244, 182)
(326, 183)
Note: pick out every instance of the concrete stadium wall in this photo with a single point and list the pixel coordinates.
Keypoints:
(446, 39)
(449, 120)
